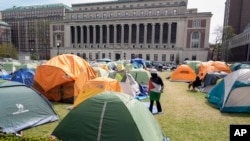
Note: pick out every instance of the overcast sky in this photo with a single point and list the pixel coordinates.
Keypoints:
(216, 7)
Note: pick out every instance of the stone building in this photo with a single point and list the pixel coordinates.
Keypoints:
(5, 33)
(159, 31)
(30, 27)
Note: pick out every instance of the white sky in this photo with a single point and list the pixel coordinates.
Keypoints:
(216, 7)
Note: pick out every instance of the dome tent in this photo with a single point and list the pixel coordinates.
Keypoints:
(23, 108)
(101, 116)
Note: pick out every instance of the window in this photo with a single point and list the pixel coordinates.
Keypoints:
(171, 57)
(119, 14)
(111, 14)
(166, 12)
(195, 35)
(90, 16)
(175, 12)
(196, 23)
(155, 57)
(97, 15)
(104, 15)
(193, 57)
(149, 13)
(195, 40)
(126, 14)
(84, 16)
(163, 57)
(134, 13)
(158, 12)
(147, 56)
(142, 13)
(78, 17)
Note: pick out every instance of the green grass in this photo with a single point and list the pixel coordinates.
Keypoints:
(187, 116)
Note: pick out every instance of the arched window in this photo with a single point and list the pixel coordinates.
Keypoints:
(195, 40)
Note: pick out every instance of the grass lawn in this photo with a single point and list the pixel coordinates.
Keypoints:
(187, 116)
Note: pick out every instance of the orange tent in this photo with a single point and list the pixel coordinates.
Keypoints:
(212, 66)
(183, 73)
(56, 78)
(95, 86)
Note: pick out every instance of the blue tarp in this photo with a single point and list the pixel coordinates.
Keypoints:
(25, 76)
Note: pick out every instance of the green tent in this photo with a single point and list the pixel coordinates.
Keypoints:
(141, 76)
(22, 107)
(109, 116)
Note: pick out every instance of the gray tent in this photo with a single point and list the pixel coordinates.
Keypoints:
(211, 79)
(23, 108)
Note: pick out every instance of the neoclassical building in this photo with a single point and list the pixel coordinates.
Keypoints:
(159, 31)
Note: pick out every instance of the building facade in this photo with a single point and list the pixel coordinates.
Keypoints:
(159, 31)
(30, 27)
(237, 14)
(5, 33)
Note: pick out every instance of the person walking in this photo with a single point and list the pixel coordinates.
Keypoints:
(155, 88)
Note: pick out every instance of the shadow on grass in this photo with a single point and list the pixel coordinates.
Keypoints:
(229, 114)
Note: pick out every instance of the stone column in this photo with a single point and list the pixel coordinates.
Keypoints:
(88, 34)
(115, 34)
(101, 32)
(122, 35)
(129, 34)
(153, 34)
(107, 36)
(169, 34)
(81, 35)
(137, 34)
(161, 36)
(94, 35)
(76, 38)
(145, 35)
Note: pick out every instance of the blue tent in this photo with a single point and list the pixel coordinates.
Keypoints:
(24, 75)
(138, 62)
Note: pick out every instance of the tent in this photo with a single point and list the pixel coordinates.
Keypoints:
(25, 76)
(101, 72)
(141, 76)
(194, 64)
(212, 66)
(183, 73)
(60, 78)
(237, 66)
(95, 86)
(4, 74)
(232, 93)
(109, 116)
(211, 80)
(138, 63)
(22, 107)
(129, 85)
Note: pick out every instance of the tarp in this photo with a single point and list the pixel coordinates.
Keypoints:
(60, 78)
(211, 80)
(109, 116)
(22, 107)
(25, 76)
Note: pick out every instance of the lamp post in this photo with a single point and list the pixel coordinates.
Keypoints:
(58, 46)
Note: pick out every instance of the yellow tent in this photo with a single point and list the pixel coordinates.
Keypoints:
(95, 86)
